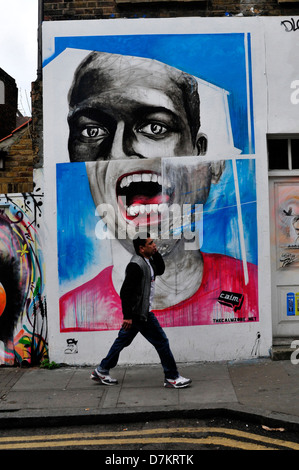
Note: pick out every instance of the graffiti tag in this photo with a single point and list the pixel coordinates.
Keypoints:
(23, 322)
(290, 25)
(72, 346)
(231, 299)
(287, 258)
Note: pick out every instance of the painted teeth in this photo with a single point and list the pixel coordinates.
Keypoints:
(146, 208)
(144, 177)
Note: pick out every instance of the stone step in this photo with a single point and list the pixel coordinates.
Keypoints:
(281, 353)
(281, 349)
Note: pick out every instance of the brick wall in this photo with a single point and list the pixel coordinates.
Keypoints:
(17, 176)
(78, 9)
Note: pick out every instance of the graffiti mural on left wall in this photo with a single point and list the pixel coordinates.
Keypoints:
(23, 309)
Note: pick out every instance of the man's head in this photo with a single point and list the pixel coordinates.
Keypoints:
(144, 245)
(131, 107)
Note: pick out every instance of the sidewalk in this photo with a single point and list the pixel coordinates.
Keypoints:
(260, 390)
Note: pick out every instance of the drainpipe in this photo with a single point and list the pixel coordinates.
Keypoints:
(39, 39)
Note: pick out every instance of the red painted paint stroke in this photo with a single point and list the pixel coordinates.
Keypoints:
(96, 306)
(2, 299)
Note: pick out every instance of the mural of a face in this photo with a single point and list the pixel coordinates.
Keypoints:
(126, 113)
(135, 124)
(129, 107)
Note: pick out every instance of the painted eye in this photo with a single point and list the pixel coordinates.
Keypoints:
(93, 132)
(153, 129)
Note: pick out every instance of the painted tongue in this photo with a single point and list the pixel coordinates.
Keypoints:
(141, 199)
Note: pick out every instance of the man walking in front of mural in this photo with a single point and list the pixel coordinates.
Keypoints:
(137, 294)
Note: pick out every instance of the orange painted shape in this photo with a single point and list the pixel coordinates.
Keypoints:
(2, 299)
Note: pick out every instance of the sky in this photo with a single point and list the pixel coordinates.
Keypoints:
(18, 46)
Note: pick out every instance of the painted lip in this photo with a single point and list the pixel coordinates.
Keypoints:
(143, 196)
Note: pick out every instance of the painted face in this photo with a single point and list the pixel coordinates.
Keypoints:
(148, 195)
(126, 114)
(127, 107)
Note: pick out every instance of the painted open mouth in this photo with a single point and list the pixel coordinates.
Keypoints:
(143, 195)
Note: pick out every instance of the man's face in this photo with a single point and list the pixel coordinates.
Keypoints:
(127, 114)
(130, 108)
(148, 249)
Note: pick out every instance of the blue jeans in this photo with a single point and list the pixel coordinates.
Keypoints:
(153, 332)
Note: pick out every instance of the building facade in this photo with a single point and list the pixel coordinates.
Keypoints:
(180, 116)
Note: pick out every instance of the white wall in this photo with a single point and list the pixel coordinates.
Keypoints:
(282, 54)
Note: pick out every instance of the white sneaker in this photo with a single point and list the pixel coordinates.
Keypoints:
(180, 382)
(104, 378)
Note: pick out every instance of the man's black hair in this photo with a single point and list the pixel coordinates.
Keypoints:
(140, 240)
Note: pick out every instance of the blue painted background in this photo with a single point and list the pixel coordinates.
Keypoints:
(79, 249)
(216, 58)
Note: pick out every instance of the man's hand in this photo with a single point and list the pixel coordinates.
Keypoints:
(127, 324)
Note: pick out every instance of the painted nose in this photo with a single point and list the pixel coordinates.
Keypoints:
(121, 147)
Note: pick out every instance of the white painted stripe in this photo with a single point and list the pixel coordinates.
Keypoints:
(248, 92)
(240, 222)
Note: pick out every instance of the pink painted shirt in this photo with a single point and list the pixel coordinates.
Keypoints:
(221, 298)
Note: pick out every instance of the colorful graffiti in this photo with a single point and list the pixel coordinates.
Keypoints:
(23, 318)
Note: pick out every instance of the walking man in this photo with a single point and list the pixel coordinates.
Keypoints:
(137, 294)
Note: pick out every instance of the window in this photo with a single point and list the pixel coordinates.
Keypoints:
(3, 154)
(283, 153)
(2, 92)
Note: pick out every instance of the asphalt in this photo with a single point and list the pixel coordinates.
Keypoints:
(258, 390)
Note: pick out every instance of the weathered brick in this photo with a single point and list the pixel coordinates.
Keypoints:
(18, 166)
(79, 9)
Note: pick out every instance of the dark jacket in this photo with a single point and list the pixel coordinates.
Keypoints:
(135, 290)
